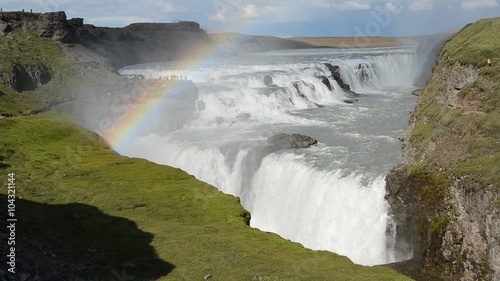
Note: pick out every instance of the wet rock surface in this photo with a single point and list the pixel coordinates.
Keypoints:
(292, 141)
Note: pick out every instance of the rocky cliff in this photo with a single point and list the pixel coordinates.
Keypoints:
(24, 66)
(22, 77)
(158, 42)
(136, 43)
(142, 42)
(99, 47)
(49, 25)
(444, 197)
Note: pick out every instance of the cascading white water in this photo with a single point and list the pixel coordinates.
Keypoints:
(329, 196)
(350, 217)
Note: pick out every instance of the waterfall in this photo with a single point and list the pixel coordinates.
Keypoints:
(327, 197)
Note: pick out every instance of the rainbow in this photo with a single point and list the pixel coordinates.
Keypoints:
(120, 134)
(124, 128)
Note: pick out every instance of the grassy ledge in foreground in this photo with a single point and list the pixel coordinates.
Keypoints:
(85, 211)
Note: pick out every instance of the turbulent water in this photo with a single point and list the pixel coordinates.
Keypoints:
(329, 196)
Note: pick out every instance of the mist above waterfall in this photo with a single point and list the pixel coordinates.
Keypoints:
(329, 196)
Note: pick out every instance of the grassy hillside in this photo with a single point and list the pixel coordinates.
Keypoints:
(450, 183)
(459, 126)
(27, 48)
(475, 43)
(106, 212)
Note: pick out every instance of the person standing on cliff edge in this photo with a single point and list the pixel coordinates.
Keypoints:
(489, 62)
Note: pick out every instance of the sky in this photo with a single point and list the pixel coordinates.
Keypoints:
(284, 18)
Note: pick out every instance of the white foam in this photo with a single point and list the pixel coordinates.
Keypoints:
(322, 210)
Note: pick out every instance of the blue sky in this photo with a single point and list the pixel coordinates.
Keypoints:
(280, 17)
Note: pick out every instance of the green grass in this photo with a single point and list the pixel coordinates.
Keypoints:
(165, 223)
(475, 43)
(26, 47)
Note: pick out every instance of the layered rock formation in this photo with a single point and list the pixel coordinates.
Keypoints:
(444, 197)
(49, 25)
(25, 77)
(142, 42)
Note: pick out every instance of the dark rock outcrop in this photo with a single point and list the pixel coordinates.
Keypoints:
(268, 80)
(350, 96)
(142, 42)
(335, 74)
(449, 229)
(350, 100)
(5, 28)
(76, 22)
(49, 25)
(417, 92)
(325, 81)
(291, 141)
(25, 77)
(297, 87)
(335, 71)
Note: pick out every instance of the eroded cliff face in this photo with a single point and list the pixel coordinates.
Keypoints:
(451, 225)
(25, 77)
(48, 25)
(444, 197)
(23, 68)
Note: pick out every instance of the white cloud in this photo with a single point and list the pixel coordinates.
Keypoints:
(353, 5)
(169, 8)
(420, 5)
(349, 5)
(248, 10)
(269, 16)
(231, 13)
(393, 8)
(478, 4)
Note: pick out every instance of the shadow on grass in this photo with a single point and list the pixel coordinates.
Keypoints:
(3, 165)
(57, 242)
